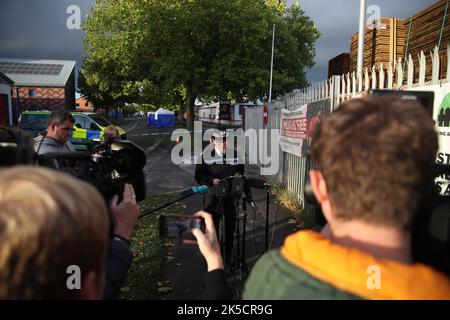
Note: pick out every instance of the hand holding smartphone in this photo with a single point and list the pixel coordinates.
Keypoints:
(179, 226)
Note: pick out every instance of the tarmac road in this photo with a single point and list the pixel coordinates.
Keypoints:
(162, 175)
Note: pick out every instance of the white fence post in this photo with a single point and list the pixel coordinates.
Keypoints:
(334, 94)
(435, 65)
(422, 68)
(360, 81)
(338, 90)
(374, 77)
(353, 83)
(390, 76)
(348, 86)
(410, 81)
(381, 76)
(399, 73)
(366, 79)
(319, 86)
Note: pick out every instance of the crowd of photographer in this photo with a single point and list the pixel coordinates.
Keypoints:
(374, 158)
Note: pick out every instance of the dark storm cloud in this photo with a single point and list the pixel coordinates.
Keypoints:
(37, 28)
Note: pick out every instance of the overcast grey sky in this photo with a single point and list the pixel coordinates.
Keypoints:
(38, 28)
(337, 20)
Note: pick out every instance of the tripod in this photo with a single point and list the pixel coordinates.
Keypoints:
(230, 194)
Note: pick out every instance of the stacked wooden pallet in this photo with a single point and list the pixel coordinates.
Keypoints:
(383, 43)
(339, 65)
(424, 35)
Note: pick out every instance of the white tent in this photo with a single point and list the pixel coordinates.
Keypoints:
(161, 118)
(163, 111)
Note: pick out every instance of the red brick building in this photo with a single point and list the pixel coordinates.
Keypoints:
(41, 84)
(84, 105)
(6, 111)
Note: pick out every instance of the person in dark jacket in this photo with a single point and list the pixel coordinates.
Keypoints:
(211, 170)
(216, 286)
(124, 216)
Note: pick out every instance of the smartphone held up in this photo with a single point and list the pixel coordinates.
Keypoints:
(179, 226)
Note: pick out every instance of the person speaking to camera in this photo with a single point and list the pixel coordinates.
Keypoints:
(210, 172)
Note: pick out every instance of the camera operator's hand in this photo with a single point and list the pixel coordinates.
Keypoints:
(216, 182)
(208, 243)
(124, 214)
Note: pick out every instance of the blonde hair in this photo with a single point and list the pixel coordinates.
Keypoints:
(48, 221)
(111, 132)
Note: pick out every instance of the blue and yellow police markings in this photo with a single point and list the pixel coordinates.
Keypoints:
(93, 134)
(81, 137)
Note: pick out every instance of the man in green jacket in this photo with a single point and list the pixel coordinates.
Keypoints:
(374, 158)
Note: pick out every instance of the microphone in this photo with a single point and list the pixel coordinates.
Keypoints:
(257, 183)
(184, 194)
(201, 190)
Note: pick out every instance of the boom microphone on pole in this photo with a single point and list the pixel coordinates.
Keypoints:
(184, 194)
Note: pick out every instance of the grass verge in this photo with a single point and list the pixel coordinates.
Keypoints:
(305, 217)
(143, 279)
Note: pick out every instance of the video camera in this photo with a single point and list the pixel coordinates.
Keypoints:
(107, 166)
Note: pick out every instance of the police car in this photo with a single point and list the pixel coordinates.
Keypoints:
(87, 126)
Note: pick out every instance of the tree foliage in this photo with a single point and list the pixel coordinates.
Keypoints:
(175, 51)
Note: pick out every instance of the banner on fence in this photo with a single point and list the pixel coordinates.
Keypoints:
(293, 130)
(441, 117)
(316, 112)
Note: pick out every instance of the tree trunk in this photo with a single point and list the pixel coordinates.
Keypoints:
(190, 110)
(181, 110)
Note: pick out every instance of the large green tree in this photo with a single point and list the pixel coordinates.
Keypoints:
(175, 51)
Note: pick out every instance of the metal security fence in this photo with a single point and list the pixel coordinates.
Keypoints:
(292, 169)
(397, 75)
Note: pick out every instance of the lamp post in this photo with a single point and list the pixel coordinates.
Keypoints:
(266, 111)
(271, 64)
(360, 62)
